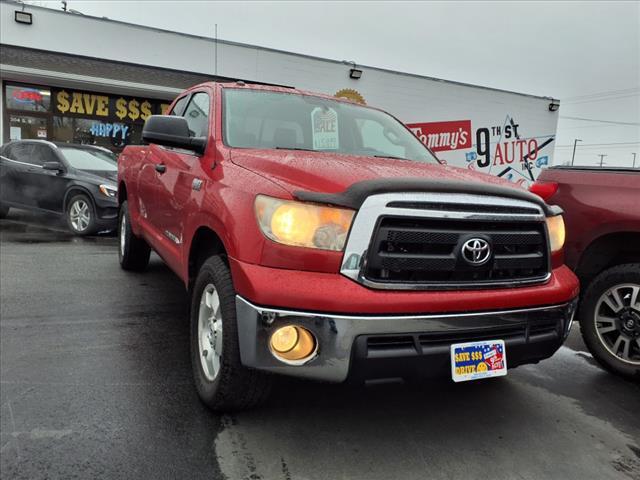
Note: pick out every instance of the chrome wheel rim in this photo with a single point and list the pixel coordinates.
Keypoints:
(80, 215)
(210, 332)
(617, 321)
(123, 224)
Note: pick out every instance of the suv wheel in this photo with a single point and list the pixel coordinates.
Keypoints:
(222, 382)
(610, 319)
(133, 252)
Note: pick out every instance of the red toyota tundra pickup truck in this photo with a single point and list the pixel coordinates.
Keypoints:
(603, 248)
(319, 238)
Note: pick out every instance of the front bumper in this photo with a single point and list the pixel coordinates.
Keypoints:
(106, 213)
(399, 345)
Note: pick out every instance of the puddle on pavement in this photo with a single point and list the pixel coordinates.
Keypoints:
(36, 229)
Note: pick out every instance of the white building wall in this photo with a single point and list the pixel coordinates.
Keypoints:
(413, 99)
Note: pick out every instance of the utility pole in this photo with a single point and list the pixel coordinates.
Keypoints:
(215, 67)
(634, 159)
(575, 142)
(602, 155)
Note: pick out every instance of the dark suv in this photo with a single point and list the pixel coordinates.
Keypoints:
(76, 181)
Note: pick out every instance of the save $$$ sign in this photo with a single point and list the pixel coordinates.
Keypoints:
(94, 105)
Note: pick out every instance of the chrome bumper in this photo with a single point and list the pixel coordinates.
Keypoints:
(337, 335)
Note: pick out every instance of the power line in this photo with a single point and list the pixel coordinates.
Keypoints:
(602, 94)
(583, 127)
(600, 121)
(599, 99)
(600, 144)
(614, 148)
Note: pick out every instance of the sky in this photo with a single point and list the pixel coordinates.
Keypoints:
(587, 54)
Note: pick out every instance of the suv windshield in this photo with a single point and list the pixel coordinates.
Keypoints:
(89, 159)
(268, 120)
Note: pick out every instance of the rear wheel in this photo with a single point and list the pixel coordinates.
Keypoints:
(222, 382)
(81, 216)
(610, 319)
(4, 211)
(133, 252)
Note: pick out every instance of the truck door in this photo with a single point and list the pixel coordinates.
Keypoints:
(151, 192)
(182, 178)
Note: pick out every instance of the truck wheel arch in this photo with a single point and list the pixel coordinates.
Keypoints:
(204, 244)
(605, 252)
(122, 192)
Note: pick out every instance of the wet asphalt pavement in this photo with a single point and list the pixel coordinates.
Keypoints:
(96, 383)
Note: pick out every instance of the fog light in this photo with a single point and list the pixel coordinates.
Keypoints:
(292, 344)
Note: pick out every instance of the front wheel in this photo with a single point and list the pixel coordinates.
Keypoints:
(222, 382)
(81, 216)
(610, 319)
(4, 211)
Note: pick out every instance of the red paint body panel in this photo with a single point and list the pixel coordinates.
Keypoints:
(331, 173)
(168, 211)
(335, 293)
(596, 202)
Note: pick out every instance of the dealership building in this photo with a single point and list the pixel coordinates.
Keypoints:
(75, 78)
(70, 77)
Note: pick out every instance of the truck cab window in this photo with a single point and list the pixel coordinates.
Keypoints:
(197, 115)
(375, 138)
(178, 108)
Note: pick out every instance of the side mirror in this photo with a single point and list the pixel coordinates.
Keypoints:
(56, 166)
(171, 131)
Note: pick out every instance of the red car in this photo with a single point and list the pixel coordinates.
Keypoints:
(319, 238)
(603, 247)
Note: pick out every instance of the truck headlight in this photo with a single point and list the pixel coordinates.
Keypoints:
(303, 224)
(108, 191)
(555, 227)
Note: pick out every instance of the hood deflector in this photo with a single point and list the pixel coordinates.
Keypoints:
(355, 195)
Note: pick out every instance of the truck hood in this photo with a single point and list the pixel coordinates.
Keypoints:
(331, 173)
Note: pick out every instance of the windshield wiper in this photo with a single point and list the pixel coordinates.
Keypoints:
(296, 148)
(390, 156)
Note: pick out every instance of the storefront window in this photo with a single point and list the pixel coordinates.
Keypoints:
(112, 135)
(75, 116)
(23, 127)
(34, 99)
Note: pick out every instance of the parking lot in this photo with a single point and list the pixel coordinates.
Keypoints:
(96, 383)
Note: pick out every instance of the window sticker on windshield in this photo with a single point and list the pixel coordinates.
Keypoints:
(324, 122)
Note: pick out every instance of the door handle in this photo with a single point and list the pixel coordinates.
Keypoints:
(161, 167)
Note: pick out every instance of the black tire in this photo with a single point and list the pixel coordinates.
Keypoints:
(4, 211)
(133, 252)
(81, 199)
(235, 387)
(619, 275)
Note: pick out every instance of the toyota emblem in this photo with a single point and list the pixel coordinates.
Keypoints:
(476, 251)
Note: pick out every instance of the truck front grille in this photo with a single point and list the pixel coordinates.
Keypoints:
(417, 241)
(423, 250)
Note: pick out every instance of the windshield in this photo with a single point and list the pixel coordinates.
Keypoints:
(89, 159)
(267, 120)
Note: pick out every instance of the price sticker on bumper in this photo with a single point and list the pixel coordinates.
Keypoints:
(476, 360)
